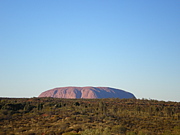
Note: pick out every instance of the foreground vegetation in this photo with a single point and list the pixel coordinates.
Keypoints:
(52, 116)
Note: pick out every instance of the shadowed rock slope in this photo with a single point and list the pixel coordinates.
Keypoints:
(86, 92)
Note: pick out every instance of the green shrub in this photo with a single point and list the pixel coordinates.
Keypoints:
(71, 133)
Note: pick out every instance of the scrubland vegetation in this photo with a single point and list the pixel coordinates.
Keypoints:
(53, 116)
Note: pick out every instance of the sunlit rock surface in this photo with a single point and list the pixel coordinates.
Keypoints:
(86, 92)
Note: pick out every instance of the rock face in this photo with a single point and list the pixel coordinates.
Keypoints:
(86, 92)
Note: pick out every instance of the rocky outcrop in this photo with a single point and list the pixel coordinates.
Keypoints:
(86, 92)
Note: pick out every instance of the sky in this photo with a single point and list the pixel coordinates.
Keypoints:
(129, 45)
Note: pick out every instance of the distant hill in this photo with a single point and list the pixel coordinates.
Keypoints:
(86, 92)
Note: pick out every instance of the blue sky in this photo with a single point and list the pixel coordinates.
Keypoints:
(130, 45)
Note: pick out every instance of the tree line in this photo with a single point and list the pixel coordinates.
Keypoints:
(111, 116)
